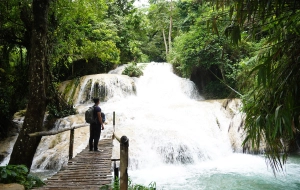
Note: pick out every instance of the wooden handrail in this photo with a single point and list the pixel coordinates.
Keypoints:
(124, 144)
(117, 137)
(48, 133)
(71, 129)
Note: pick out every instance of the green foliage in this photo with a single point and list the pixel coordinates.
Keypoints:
(185, 50)
(271, 102)
(271, 107)
(13, 66)
(19, 174)
(211, 52)
(13, 91)
(215, 90)
(265, 70)
(163, 28)
(81, 32)
(58, 107)
(131, 26)
(55, 112)
(132, 70)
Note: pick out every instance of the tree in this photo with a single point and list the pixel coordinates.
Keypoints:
(161, 19)
(81, 33)
(79, 30)
(272, 103)
(127, 21)
(14, 45)
(25, 146)
(207, 58)
(170, 26)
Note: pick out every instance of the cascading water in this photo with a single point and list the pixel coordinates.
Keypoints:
(168, 124)
(177, 139)
(181, 142)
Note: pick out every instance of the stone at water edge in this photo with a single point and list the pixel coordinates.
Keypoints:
(11, 186)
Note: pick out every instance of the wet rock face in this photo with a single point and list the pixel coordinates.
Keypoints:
(176, 154)
(11, 186)
(104, 86)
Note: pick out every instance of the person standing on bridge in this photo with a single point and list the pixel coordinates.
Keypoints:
(95, 128)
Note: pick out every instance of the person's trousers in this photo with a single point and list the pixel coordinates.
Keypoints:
(95, 131)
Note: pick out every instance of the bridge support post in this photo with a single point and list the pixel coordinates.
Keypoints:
(114, 120)
(71, 144)
(124, 144)
(116, 171)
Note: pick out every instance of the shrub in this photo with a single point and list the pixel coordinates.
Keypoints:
(132, 70)
(19, 174)
(216, 90)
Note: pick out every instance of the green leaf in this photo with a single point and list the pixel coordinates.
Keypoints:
(277, 111)
(3, 174)
(214, 26)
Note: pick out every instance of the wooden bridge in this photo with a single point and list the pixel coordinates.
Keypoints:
(88, 170)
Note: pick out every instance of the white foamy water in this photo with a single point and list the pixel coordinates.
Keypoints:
(180, 141)
(167, 123)
(176, 138)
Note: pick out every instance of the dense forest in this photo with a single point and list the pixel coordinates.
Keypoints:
(247, 49)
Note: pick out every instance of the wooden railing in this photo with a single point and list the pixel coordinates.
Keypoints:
(71, 129)
(124, 144)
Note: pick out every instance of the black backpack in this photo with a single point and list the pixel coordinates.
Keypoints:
(103, 117)
(89, 116)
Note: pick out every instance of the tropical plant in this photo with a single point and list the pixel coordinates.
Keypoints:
(132, 70)
(79, 31)
(14, 45)
(210, 56)
(130, 26)
(19, 174)
(272, 103)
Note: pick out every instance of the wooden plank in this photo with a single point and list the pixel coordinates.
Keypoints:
(75, 177)
(84, 173)
(106, 170)
(72, 176)
(79, 181)
(88, 170)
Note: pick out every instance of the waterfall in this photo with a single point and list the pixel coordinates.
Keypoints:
(181, 141)
(164, 116)
(176, 138)
(168, 122)
(105, 86)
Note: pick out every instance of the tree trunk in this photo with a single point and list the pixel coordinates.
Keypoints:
(165, 41)
(25, 146)
(222, 72)
(170, 27)
(4, 59)
(221, 67)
